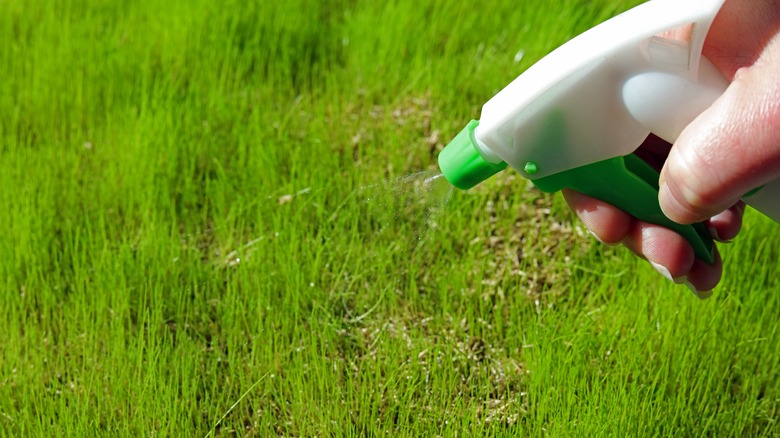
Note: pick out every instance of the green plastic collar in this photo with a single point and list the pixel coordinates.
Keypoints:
(462, 164)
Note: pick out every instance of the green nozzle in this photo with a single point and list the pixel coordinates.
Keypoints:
(462, 164)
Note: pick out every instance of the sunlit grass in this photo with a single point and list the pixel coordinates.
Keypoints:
(209, 229)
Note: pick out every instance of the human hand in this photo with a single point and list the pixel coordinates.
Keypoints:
(731, 148)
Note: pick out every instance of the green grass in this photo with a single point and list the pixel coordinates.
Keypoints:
(205, 233)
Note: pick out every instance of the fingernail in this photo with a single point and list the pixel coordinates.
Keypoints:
(714, 234)
(597, 238)
(663, 270)
(664, 193)
(670, 204)
(701, 294)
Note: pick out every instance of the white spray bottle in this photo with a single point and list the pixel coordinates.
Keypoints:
(574, 119)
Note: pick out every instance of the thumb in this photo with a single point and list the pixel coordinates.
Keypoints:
(730, 149)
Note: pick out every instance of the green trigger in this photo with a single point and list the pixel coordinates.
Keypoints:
(631, 185)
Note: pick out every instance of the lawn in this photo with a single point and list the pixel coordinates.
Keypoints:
(223, 218)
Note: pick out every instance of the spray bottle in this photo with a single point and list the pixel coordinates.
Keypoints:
(574, 119)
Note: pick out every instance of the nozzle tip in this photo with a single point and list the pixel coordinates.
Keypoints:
(462, 164)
